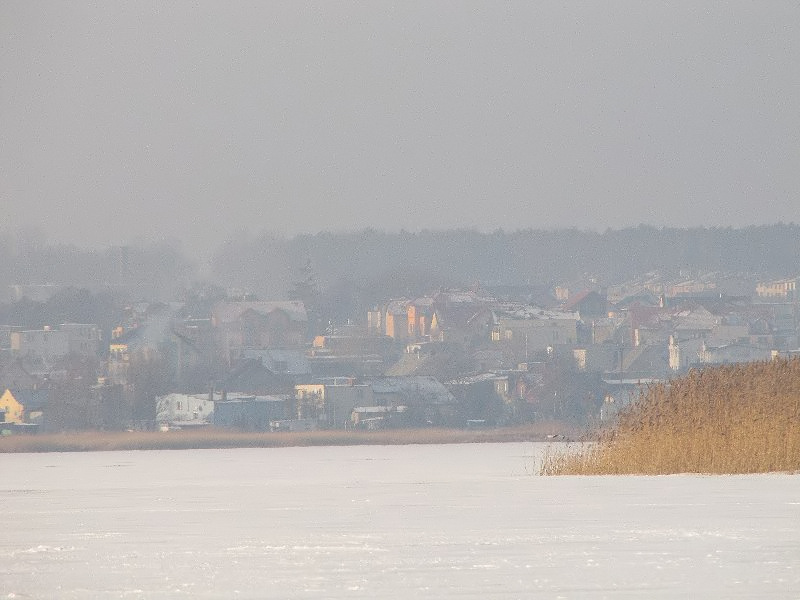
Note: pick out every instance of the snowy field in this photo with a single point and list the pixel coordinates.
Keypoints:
(450, 521)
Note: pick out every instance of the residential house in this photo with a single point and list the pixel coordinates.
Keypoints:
(597, 357)
(732, 353)
(375, 324)
(379, 417)
(251, 413)
(526, 330)
(118, 363)
(695, 322)
(429, 402)
(251, 376)
(23, 409)
(419, 315)
(247, 325)
(395, 319)
(691, 287)
(19, 374)
(185, 409)
(781, 289)
(47, 344)
(351, 355)
(331, 400)
(107, 406)
(481, 398)
(605, 330)
(289, 362)
(50, 344)
(683, 353)
(588, 304)
(621, 391)
(11, 409)
(83, 338)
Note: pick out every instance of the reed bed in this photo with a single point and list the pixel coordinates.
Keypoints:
(218, 438)
(731, 419)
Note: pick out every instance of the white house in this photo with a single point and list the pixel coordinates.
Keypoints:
(185, 408)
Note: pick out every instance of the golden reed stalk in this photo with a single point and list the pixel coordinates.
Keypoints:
(731, 419)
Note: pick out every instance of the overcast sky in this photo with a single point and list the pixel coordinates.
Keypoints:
(195, 120)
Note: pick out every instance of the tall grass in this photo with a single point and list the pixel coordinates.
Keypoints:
(731, 419)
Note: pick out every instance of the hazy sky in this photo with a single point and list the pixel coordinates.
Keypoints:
(194, 120)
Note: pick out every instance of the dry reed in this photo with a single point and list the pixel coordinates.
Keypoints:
(731, 419)
(218, 438)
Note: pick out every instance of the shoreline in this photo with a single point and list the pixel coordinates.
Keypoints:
(98, 441)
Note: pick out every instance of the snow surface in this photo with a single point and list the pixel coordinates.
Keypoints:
(451, 521)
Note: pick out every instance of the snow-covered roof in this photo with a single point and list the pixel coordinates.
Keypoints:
(397, 306)
(514, 310)
(473, 379)
(239, 398)
(379, 409)
(698, 318)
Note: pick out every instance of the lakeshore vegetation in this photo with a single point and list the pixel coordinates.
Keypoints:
(733, 419)
(219, 438)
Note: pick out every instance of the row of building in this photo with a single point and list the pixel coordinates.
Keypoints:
(330, 403)
(450, 358)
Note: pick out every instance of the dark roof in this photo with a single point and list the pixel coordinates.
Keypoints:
(250, 376)
(573, 301)
(30, 399)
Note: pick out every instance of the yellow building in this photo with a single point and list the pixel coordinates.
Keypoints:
(784, 289)
(12, 410)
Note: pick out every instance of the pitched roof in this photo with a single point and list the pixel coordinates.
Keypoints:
(227, 312)
(30, 399)
(420, 386)
(572, 303)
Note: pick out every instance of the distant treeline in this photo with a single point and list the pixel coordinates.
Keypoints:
(409, 263)
(153, 271)
(373, 264)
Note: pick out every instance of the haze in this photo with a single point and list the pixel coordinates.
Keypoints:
(192, 122)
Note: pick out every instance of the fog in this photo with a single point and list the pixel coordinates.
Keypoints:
(195, 122)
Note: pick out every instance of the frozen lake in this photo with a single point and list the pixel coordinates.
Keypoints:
(450, 521)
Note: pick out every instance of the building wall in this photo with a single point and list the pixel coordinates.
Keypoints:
(250, 414)
(537, 334)
(310, 399)
(183, 407)
(411, 322)
(14, 411)
(49, 343)
(374, 321)
(83, 338)
(118, 363)
(331, 403)
(783, 289)
(397, 325)
(45, 343)
(341, 400)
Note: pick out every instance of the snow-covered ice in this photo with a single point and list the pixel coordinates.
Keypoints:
(437, 521)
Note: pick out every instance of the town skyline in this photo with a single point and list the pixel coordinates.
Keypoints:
(373, 329)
